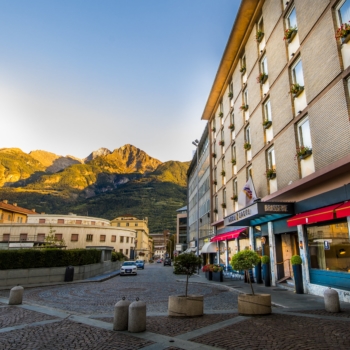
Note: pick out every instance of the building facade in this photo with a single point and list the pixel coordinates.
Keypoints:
(181, 229)
(278, 114)
(11, 213)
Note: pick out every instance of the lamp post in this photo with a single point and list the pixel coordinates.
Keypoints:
(196, 143)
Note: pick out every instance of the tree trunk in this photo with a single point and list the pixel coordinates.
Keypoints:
(250, 282)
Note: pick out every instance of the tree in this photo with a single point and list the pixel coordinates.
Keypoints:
(52, 242)
(189, 264)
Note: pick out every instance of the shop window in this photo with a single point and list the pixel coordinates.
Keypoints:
(74, 237)
(40, 237)
(89, 238)
(329, 247)
(113, 238)
(121, 239)
(5, 237)
(102, 238)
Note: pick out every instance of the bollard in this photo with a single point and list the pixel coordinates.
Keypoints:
(137, 316)
(121, 311)
(331, 300)
(16, 295)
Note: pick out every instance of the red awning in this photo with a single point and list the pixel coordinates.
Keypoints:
(228, 235)
(343, 210)
(310, 217)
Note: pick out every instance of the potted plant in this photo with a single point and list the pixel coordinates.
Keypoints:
(213, 155)
(215, 211)
(223, 173)
(297, 272)
(221, 114)
(233, 161)
(270, 174)
(207, 269)
(267, 123)
(215, 182)
(223, 205)
(217, 272)
(258, 275)
(261, 79)
(296, 89)
(289, 34)
(231, 127)
(247, 146)
(230, 94)
(222, 143)
(213, 129)
(343, 33)
(250, 304)
(186, 305)
(265, 260)
(243, 69)
(244, 107)
(303, 152)
(259, 35)
(234, 198)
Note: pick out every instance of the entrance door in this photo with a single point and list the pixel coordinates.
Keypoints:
(289, 248)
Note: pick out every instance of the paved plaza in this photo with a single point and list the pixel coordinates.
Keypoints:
(80, 316)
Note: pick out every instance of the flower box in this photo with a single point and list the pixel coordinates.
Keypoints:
(223, 173)
(230, 95)
(223, 205)
(221, 143)
(267, 124)
(244, 108)
(231, 127)
(233, 161)
(243, 70)
(262, 78)
(218, 276)
(289, 34)
(296, 89)
(299, 92)
(235, 198)
(213, 129)
(259, 36)
(215, 182)
(221, 114)
(306, 154)
(345, 39)
(213, 155)
(215, 211)
(343, 33)
(247, 146)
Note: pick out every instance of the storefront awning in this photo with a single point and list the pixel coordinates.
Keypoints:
(313, 216)
(209, 247)
(228, 235)
(343, 210)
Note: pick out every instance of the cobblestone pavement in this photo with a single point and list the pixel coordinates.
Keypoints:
(278, 332)
(345, 312)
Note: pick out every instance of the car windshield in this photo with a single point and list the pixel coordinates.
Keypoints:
(139, 261)
(128, 263)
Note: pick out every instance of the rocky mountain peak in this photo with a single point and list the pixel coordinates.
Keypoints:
(100, 152)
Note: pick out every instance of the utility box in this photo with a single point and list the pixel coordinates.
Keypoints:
(69, 275)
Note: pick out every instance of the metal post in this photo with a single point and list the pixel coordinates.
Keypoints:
(197, 204)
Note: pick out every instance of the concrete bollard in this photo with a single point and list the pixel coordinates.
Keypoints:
(121, 311)
(331, 300)
(16, 295)
(137, 316)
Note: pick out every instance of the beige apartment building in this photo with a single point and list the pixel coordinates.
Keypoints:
(11, 213)
(143, 245)
(278, 118)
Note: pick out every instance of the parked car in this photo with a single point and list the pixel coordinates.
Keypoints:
(128, 268)
(167, 261)
(159, 261)
(140, 264)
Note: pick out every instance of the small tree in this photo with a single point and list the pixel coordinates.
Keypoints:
(245, 260)
(189, 264)
(51, 241)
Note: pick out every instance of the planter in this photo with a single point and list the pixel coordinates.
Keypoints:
(306, 155)
(266, 275)
(209, 275)
(218, 276)
(298, 279)
(264, 79)
(272, 176)
(259, 37)
(251, 305)
(301, 89)
(345, 39)
(267, 124)
(243, 70)
(258, 275)
(294, 33)
(181, 306)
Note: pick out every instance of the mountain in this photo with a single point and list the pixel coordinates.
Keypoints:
(104, 184)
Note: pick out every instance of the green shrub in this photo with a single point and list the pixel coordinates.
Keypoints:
(265, 259)
(296, 260)
(32, 258)
(117, 256)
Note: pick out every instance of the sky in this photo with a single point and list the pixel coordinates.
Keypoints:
(77, 75)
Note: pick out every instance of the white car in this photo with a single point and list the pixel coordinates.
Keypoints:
(128, 268)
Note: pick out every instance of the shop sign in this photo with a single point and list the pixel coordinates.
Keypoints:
(193, 244)
(327, 245)
(243, 214)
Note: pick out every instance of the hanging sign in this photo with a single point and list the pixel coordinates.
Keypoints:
(327, 245)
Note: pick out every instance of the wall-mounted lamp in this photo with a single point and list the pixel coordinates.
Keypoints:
(301, 245)
(342, 251)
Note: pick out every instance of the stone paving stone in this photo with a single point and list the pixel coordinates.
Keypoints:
(173, 326)
(345, 312)
(172, 348)
(66, 335)
(14, 316)
(276, 332)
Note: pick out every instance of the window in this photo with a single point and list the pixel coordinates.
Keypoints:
(263, 65)
(136, 224)
(243, 62)
(221, 107)
(41, 237)
(297, 74)
(304, 135)
(213, 124)
(102, 238)
(121, 251)
(223, 164)
(74, 237)
(89, 238)
(247, 135)
(9, 217)
(222, 135)
(113, 238)
(93, 222)
(78, 222)
(261, 24)
(127, 224)
(216, 203)
(1, 216)
(118, 224)
(127, 251)
(230, 90)
(60, 221)
(271, 162)
(41, 221)
(121, 239)
(127, 239)
(233, 154)
(23, 237)
(224, 195)
(232, 118)
(344, 12)
(5, 237)
(132, 240)
(245, 97)
(235, 188)
(267, 111)
(58, 236)
(292, 19)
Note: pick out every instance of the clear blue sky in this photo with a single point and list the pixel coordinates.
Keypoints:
(77, 75)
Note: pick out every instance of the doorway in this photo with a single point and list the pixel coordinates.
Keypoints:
(290, 247)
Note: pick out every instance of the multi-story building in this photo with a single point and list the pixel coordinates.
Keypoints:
(11, 213)
(71, 231)
(181, 229)
(142, 246)
(161, 241)
(279, 113)
(198, 187)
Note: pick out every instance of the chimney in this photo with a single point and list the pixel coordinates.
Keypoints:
(33, 210)
(15, 204)
(5, 201)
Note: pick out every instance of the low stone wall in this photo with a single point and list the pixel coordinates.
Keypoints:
(316, 289)
(26, 277)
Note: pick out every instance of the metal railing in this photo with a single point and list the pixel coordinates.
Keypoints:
(289, 267)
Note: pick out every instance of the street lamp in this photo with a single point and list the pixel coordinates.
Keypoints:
(196, 143)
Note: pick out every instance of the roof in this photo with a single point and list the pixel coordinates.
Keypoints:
(15, 208)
